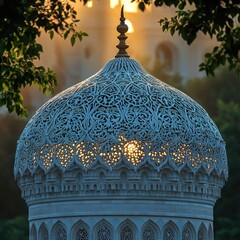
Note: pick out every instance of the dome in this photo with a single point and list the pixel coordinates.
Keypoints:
(121, 114)
(121, 155)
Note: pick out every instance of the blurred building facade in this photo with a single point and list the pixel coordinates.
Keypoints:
(147, 44)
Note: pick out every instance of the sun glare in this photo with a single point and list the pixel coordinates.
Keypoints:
(129, 6)
(130, 26)
(89, 4)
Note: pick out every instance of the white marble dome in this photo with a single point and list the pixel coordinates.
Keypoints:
(121, 114)
(121, 156)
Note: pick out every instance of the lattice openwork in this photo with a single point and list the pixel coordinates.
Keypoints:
(81, 234)
(187, 233)
(104, 233)
(169, 233)
(149, 234)
(126, 233)
(60, 233)
(121, 114)
(43, 233)
(202, 233)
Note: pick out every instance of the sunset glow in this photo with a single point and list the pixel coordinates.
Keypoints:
(129, 6)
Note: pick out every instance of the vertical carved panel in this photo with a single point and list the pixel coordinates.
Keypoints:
(126, 233)
(104, 233)
(43, 233)
(149, 233)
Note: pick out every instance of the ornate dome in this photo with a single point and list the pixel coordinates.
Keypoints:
(121, 114)
(121, 155)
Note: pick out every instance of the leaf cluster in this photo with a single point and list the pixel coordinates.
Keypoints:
(21, 23)
(208, 91)
(216, 18)
(16, 228)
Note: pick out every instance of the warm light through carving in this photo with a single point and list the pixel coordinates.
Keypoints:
(134, 152)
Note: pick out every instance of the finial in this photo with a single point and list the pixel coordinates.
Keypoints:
(122, 28)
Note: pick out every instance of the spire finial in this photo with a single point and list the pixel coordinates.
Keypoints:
(122, 28)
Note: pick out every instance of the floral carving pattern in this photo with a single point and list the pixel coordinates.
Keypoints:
(122, 113)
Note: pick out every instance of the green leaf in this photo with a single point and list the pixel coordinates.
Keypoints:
(84, 34)
(5, 87)
(172, 31)
(51, 33)
(141, 6)
(181, 5)
(66, 34)
(73, 40)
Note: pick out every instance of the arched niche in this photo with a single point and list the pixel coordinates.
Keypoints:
(202, 232)
(33, 232)
(103, 230)
(150, 231)
(127, 230)
(210, 232)
(188, 232)
(170, 231)
(80, 231)
(167, 55)
(59, 231)
(43, 232)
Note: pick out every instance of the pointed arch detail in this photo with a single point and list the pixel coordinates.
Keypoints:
(150, 231)
(170, 231)
(59, 231)
(103, 230)
(33, 232)
(210, 232)
(127, 230)
(202, 232)
(80, 231)
(43, 232)
(188, 232)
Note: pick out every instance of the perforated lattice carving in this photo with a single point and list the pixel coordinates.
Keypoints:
(121, 114)
(43, 233)
(149, 234)
(81, 234)
(202, 233)
(187, 233)
(126, 233)
(169, 234)
(104, 233)
(60, 233)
